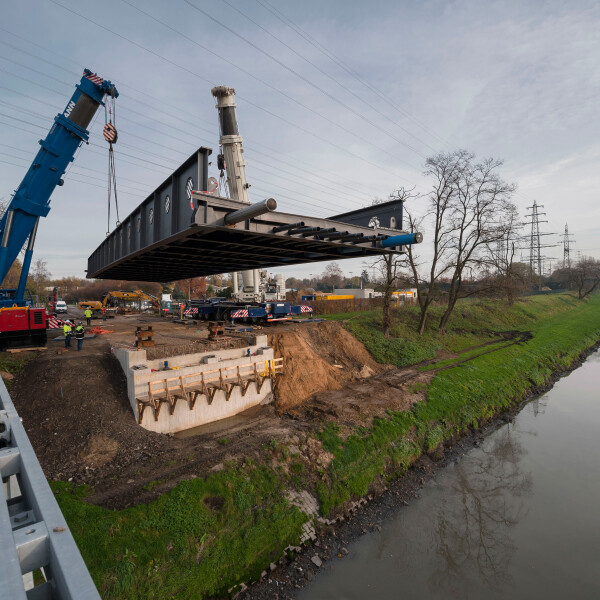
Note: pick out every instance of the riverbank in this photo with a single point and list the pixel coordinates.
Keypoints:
(332, 541)
(210, 533)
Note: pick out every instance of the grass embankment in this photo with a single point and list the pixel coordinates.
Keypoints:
(198, 539)
(208, 534)
(465, 396)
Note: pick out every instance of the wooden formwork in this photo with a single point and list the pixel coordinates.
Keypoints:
(173, 389)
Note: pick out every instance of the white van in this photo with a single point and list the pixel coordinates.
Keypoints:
(61, 307)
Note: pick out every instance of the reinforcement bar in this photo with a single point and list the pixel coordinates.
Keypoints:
(33, 531)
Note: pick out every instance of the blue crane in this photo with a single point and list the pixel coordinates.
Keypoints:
(19, 322)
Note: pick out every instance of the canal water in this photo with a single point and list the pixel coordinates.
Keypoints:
(516, 517)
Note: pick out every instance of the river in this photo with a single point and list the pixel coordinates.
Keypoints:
(516, 517)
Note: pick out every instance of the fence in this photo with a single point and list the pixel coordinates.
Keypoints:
(330, 307)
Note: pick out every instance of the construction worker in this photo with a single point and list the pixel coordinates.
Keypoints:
(103, 312)
(67, 331)
(88, 315)
(79, 335)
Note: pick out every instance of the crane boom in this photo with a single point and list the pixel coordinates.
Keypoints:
(31, 199)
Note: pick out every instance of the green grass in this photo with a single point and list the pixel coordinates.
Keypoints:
(178, 546)
(465, 355)
(463, 397)
(13, 363)
(181, 546)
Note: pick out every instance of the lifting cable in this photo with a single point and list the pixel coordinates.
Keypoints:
(110, 135)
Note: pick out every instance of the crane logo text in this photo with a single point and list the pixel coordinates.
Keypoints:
(69, 109)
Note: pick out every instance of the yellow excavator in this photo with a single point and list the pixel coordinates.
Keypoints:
(120, 295)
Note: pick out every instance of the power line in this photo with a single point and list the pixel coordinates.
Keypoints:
(37, 115)
(257, 106)
(304, 79)
(343, 86)
(338, 61)
(172, 115)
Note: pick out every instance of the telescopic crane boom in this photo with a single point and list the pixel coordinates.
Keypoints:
(20, 324)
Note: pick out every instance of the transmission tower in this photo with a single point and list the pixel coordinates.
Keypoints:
(566, 244)
(535, 245)
(535, 256)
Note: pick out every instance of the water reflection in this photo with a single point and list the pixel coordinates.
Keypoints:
(472, 526)
(516, 518)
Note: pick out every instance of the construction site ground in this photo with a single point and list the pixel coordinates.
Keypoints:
(75, 408)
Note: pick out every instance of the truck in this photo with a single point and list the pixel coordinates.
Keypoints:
(221, 309)
(258, 285)
(20, 323)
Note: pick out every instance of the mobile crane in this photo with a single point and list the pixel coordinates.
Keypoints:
(261, 297)
(20, 323)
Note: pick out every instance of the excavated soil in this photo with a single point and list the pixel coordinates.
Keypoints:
(75, 409)
(319, 358)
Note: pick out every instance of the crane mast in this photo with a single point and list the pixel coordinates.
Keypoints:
(257, 285)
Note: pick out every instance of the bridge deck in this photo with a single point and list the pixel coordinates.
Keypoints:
(177, 233)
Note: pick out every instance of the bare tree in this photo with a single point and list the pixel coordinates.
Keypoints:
(39, 277)
(476, 202)
(585, 276)
(332, 276)
(390, 266)
(506, 276)
(445, 169)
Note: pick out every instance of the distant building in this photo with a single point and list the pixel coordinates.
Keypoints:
(358, 293)
(409, 295)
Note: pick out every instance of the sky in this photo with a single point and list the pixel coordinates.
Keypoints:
(338, 103)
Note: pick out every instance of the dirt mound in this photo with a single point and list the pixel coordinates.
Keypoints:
(318, 357)
(100, 451)
(75, 409)
(358, 402)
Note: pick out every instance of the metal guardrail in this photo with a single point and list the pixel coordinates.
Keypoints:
(33, 531)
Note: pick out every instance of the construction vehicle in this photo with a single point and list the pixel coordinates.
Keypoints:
(219, 309)
(257, 295)
(20, 323)
(258, 286)
(119, 295)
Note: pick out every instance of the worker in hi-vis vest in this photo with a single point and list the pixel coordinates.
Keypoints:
(79, 335)
(88, 315)
(68, 331)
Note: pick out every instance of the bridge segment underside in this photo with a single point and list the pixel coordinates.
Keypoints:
(209, 246)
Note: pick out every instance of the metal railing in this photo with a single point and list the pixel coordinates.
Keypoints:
(34, 536)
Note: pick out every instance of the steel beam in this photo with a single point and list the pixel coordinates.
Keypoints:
(209, 234)
(33, 531)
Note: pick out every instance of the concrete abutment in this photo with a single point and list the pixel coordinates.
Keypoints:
(200, 388)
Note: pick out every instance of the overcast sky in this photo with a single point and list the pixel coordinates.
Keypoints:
(338, 102)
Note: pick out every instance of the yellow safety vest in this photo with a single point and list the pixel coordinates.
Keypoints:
(67, 329)
(87, 313)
